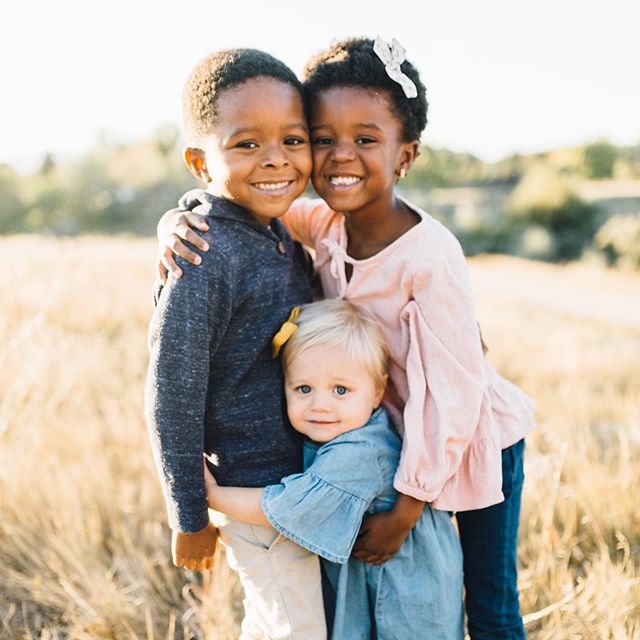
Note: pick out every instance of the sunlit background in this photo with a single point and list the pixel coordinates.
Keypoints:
(502, 76)
(532, 150)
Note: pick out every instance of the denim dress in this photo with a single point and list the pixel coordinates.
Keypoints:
(415, 594)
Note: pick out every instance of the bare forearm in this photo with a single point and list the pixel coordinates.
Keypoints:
(408, 510)
(240, 503)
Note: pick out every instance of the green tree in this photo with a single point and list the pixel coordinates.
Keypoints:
(599, 159)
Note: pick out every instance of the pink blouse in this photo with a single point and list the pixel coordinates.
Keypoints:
(452, 409)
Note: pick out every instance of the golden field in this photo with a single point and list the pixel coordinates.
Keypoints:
(84, 546)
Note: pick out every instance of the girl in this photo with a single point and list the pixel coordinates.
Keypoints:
(462, 425)
(335, 362)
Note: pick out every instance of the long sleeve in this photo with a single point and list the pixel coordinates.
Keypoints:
(447, 399)
(190, 319)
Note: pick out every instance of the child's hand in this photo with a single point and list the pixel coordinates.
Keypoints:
(194, 550)
(174, 227)
(380, 537)
(382, 534)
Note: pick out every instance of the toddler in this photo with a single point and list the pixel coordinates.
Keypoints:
(335, 362)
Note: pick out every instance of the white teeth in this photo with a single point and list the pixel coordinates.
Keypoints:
(271, 186)
(343, 180)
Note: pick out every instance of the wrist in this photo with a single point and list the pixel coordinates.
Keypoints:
(407, 511)
(212, 497)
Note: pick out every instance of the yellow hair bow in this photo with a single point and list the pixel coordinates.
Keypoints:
(287, 329)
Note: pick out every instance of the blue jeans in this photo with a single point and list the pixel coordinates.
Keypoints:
(489, 540)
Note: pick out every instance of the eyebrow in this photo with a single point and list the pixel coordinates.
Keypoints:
(361, 125)
(292, 125)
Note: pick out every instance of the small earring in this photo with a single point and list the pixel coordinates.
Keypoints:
(403, 173)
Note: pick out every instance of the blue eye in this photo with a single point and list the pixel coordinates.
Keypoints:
(340, 390)
(303, 389)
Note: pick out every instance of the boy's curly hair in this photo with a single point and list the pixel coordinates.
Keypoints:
(219, 71)
(353, 63)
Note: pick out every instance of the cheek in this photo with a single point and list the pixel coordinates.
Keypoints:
(318, 156)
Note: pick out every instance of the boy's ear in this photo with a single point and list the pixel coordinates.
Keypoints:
(196, 160)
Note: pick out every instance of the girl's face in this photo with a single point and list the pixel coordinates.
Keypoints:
(329, 394)
(357, 148)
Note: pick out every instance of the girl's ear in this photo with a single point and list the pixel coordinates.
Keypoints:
(196, 160)
(409, 151)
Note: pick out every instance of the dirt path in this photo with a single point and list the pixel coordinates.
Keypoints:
(582, 291)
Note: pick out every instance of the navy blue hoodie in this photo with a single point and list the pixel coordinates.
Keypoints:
(212, 383)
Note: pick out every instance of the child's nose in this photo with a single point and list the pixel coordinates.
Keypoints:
(320, 402)
(343, 152)
(274, 156)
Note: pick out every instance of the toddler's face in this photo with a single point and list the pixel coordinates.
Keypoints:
(259, 154)
(328, 393)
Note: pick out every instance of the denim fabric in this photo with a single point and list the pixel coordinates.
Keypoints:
(322, 508)
(419, 590)
(489, 540)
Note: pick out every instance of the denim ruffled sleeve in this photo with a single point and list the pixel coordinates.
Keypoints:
(322, 508)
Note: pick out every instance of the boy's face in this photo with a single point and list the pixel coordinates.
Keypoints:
(328, 393)
(259, 155)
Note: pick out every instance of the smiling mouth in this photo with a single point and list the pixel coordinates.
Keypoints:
(343, 183)
(273, 188)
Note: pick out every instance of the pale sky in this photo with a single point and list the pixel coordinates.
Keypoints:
(502, 76)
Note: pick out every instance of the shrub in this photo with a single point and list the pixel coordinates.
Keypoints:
(619, 240)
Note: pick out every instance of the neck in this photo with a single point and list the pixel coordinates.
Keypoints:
(372, 230)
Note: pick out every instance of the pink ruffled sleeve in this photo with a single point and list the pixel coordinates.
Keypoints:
(307, 220)
(446, 459)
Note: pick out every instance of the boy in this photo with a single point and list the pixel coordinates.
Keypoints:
(213, 385)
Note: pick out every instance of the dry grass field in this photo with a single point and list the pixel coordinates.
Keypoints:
(84, 546)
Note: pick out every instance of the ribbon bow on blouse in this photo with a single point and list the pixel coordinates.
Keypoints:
(338, 256)
(392, 57)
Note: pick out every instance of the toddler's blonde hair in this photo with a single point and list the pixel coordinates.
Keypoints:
(337, 323)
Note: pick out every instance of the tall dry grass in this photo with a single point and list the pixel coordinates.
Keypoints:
(84, 547)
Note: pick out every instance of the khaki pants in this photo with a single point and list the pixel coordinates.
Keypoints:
(281, 581)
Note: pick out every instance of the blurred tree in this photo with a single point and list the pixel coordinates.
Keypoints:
(619, 240)
(544, 199)
(599, 159)
(11, 205)
(48, 164)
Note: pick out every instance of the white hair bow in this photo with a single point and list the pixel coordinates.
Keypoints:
(392, 57)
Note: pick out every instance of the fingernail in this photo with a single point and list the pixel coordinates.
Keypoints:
(205, 247)
(198, 260)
